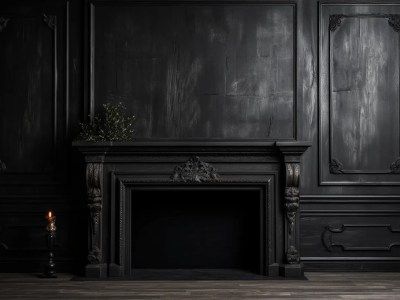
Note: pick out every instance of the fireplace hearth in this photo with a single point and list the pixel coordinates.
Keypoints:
(207, 227)
(173, 209)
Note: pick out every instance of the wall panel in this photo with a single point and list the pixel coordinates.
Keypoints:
(336, 230)
(359, 94)
(322, 71)
(192, 71)
(26, 88)
(34, 135)
(33, 102)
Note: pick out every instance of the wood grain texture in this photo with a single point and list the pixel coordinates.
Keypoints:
(190, 72)
(26, 90)
(364, 94)
(341, 201)
(359, 94)
(340, 229)
(339, 234)
(243, 109)
(318, 286)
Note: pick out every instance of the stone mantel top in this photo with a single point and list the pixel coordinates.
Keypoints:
(287, 148)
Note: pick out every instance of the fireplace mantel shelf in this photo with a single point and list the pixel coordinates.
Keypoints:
(217, 146)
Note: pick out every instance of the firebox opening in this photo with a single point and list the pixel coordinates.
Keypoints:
(197, 228)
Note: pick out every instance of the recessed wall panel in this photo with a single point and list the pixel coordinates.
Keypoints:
(359, 94)
(197, 71)
(27, 124)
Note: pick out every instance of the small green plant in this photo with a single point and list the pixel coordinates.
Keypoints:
(113, 125)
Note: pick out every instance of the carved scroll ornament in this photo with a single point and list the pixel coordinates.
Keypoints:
(335, 166)
(336, 20)
(93, 180)
(394, 22)
(395, 166)
(291, 204)
(195, 170)
(292, 255)
(94, 256)
(292, 193)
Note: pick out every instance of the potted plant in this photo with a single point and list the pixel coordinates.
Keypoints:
(112, 126)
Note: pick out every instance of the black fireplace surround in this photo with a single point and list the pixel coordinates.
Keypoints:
(120, 176)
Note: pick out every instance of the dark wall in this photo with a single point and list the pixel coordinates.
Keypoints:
(41, 98)
(348, 62)
(196, 71)
(326, 72)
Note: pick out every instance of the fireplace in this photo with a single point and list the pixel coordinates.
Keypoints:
(196, 227)
(160, 208)
(199, 228)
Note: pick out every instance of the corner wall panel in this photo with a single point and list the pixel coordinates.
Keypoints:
(32, 91)
(359, 94)
(27, 92)
(34, 151)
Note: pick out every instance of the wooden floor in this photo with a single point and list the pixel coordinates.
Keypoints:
(318, 286)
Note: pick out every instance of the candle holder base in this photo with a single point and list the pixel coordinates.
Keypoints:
(50, 267)
(49, 274)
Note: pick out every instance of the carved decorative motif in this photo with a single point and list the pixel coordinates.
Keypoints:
(3, 23)
(93, 175)
(195, 170)
(291, 205)
(94, 256)
(50, 21)
(395, 166)
(335, 21)
(93, 181)
(292, 193)
(292, 255)
(95, 210)
(335, 166)
(394, 22)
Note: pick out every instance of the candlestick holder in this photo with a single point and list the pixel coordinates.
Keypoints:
(50, 268)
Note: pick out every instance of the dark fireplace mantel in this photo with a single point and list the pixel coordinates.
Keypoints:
(113, 170)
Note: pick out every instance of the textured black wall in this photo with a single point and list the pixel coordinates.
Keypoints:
(349, 69)
(327, 72)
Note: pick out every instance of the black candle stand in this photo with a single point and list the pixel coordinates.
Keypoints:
(50, 268)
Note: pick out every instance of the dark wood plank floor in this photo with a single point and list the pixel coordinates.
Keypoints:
(318, 286)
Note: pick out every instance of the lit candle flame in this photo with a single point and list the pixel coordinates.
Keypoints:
(51, 218)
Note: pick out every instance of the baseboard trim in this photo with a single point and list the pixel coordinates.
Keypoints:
(354, 265)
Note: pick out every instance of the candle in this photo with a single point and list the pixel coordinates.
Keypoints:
(51, 239)
(51, 227)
